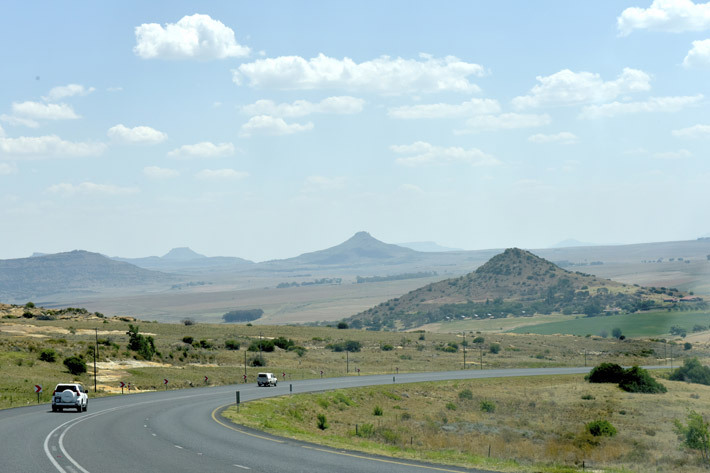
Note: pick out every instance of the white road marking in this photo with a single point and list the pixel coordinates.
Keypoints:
(242, 467)
(178, 446)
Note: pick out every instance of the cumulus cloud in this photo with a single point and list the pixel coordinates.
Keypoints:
(193, 37)
(204, 149)
(156, 172)
(136, 135)
(383, 75)
(70, 90)
(422, 153)
(564, 137)
(699, 55)
(268, 125)
(504, 121)
(13, 120)
(48, 146)
(221, 174)
(445, 110)
(695, 131)
(343, 105)
(90, 188)
(680, 154)
(570, 88)
(43, 111)
(316, 183)
(674, 16)
(653, 104)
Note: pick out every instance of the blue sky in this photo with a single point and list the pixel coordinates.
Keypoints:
(265, 131)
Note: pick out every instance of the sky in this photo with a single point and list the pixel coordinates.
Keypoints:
(264, 130)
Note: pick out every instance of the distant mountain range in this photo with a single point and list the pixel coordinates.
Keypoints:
(186, 260)
(76, 271)
(427, 246)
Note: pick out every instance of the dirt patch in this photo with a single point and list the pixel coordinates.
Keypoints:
(46, 331)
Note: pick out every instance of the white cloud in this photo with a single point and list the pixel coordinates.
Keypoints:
(563, 137)
(504, 121)
(699, 55)
(411, 188)
(7, 169)
(653, 104)
(570, 88)
(156, 172)
(695, 131)
(193, 37)
(674, 16)
(382, 75)
(13, 120)
(48, 146)
(204, 149)
(314, 183)
(422, 153)
(44, 111)
(2, 132)
(680, 154)
(115, 89)
(268, 125)
(91, 188)
(136, 135)
(70, 90)
(221, 174)
(445, 110)
(343, 105)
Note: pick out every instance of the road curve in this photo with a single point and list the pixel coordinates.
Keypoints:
(181, 431)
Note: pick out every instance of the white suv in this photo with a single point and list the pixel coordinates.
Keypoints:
(73, 396)
(266, 379)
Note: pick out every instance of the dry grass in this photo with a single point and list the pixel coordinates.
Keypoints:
(538, 423)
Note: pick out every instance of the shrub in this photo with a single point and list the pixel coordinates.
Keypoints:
(487, 406)
(495, 348)
(695, 435)
(637, 380)
(48, 355)
(365, 431)
(188, 321)
(349, 345)
(30, 305)
(466, 395)
(605, 373)
(206, 344)
(588, 397)
(75, 365)
(479, 340)
(343, 325)
(266, 345)
(687, 346)
(451, 406)
(322, 422)
(145, 346)
(386, 347)
(257, 361)
(616, 332)
(692, 372)
(377, 411)
(231, 345)
(601, 428)
(300, 351)
(188, 340)
(283, 343)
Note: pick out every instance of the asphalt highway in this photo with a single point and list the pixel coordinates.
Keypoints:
(182, 431)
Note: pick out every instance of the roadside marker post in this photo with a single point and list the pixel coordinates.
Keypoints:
(290, 388)
(122, 385)
(165, 382)
(238, 401)
(38, 390)
(206, 378)
(245, 379)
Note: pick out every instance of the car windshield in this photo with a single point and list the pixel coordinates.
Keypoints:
(348, 193)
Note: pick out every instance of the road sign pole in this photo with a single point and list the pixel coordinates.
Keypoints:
(238, 400)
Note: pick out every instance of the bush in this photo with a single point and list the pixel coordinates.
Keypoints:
(343, 325)
(687, 346)
(206, 344)
(377, 411)
(30, 305)
(300, 351)
(466, 395)
(479, 340)
(601, 428)
(495, 348)
(387, 347)
(322, 422)
(48, 355)
(145, 346)
(188, 321)
(266, 345)
(605, 373)
(349, 345)
(692, 372)
(188, 340)
(451, 406)
(231, 345)
(637, 380)
(616, 332)
(284, 343)
(365, 431)
(487, 406)
(75, 365)
(695, 436)
(257, 361)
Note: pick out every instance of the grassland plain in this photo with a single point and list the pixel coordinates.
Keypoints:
(22, 340)
(534, 424)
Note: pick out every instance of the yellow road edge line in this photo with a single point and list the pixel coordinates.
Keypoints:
(214, 418)
(382, 460)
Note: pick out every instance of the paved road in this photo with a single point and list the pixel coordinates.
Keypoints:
(181, 431)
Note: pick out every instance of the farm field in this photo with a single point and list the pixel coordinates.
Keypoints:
(532, 424)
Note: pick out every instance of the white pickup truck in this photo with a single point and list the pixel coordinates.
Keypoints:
(71, 396)
(266, 379)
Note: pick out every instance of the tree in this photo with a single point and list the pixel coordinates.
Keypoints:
(692, 371)
(695, 435)
(342, 325)
(75, 365)
(145, 346)
(616, 332)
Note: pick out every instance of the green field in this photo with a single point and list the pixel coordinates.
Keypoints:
(647, 324)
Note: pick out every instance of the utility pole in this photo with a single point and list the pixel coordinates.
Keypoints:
(96, 353)
(245, 365)
(347, 362)
(481, 355)
(464, 350)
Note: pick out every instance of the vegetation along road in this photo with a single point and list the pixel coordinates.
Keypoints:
(183, 431)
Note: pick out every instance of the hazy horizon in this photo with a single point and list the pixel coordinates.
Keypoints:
(265, 131)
